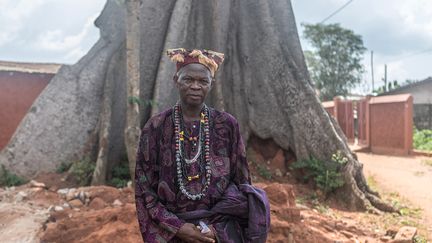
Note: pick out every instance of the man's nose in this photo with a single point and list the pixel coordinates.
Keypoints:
(195, 85)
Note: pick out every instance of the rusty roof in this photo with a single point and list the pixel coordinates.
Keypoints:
(390, 98)
(30, 67)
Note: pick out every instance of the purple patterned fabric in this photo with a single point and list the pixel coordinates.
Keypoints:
(162, 209)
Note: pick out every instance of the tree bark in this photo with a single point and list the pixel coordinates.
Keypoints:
(132, 131)
(263, 82)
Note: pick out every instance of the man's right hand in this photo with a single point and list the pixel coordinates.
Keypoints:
(190, 233)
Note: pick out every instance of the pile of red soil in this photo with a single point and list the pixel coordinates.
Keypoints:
(101, 221)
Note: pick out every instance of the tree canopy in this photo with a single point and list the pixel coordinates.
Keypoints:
(335, 62)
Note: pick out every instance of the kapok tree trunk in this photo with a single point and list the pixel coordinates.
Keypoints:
(263, 81)
(132, 130)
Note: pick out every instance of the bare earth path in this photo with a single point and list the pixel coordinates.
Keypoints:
(407, 175)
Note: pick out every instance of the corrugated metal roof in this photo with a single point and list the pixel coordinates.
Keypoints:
(408, 86)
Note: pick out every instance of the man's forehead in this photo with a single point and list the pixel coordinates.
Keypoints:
(194, 70)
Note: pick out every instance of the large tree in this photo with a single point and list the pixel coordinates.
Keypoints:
(263, 82)
(335, 61)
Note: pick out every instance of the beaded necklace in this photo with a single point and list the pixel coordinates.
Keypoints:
(204, 143)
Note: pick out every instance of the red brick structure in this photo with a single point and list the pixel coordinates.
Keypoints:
(342, 111)
(20, 85)
(391, 124)
(384, 123)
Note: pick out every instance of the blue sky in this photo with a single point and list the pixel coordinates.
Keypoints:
(62, 31)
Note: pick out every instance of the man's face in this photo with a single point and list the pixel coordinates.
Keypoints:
(193, 81)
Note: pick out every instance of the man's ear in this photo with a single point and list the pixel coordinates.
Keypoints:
(175, 78)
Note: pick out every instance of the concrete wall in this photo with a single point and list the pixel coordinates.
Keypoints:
(18, 90)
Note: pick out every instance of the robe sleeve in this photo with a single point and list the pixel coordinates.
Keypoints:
(157, 224)
(238, 159)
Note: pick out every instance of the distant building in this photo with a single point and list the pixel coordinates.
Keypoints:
(20, 84)
(422, 95)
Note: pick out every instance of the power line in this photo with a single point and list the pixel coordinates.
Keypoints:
(412, 55)
(337, 11)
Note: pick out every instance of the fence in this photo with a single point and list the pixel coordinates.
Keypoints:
(381, 124)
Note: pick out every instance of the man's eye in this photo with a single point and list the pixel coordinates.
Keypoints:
(204, 81)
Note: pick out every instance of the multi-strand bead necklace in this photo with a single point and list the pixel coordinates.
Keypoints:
(203, 152)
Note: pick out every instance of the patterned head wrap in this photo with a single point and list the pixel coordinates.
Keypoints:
(183, 57)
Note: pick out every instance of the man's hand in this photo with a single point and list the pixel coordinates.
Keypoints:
(190, 233)
(212, 233)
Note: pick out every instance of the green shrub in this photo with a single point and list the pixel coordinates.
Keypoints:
(422, 139)
(120, 175)
(326, 175)
(63, 167)
(10, 179)
(82, 170)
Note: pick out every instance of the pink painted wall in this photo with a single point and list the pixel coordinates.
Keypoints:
(18, 90)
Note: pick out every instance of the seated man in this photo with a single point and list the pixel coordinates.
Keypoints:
(192, 177)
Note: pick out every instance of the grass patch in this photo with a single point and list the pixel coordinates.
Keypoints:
(325, 174)
(63, 167)
(262, 169)
(372, 183)
(419, 239)
(427, 162)
(82, 170)
(9, 179)
(120, 175)
(409, 215)
(422, 139)
(419, 173)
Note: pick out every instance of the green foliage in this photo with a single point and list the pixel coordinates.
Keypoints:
(325, 175)
(390, 86)
(422, 139)
(262, 170)
(335, 63)
(63, 167)
(419, 239)
(140, 102)
(10, 179)
(427, 162)
(120, 175)
(82, 170)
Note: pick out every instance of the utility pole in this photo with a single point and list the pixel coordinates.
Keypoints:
(385, 78)
(372, 71)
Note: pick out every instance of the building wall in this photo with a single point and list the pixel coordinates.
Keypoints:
(422, 93)
(422, 99)
(18, 90)
(423, 116)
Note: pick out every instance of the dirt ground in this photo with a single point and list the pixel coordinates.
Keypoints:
(409, 176)
(108, 215)
(298, 214)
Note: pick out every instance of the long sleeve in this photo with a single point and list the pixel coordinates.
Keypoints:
(157, 224)
(238, 159)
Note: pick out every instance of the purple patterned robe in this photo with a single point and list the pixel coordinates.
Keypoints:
(162, 209)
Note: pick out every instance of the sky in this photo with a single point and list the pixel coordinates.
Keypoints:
(399, 32)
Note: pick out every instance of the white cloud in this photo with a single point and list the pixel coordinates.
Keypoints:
(396, 30)
(417, 15)
(13, 15)
(74, 55)
(57, 40)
